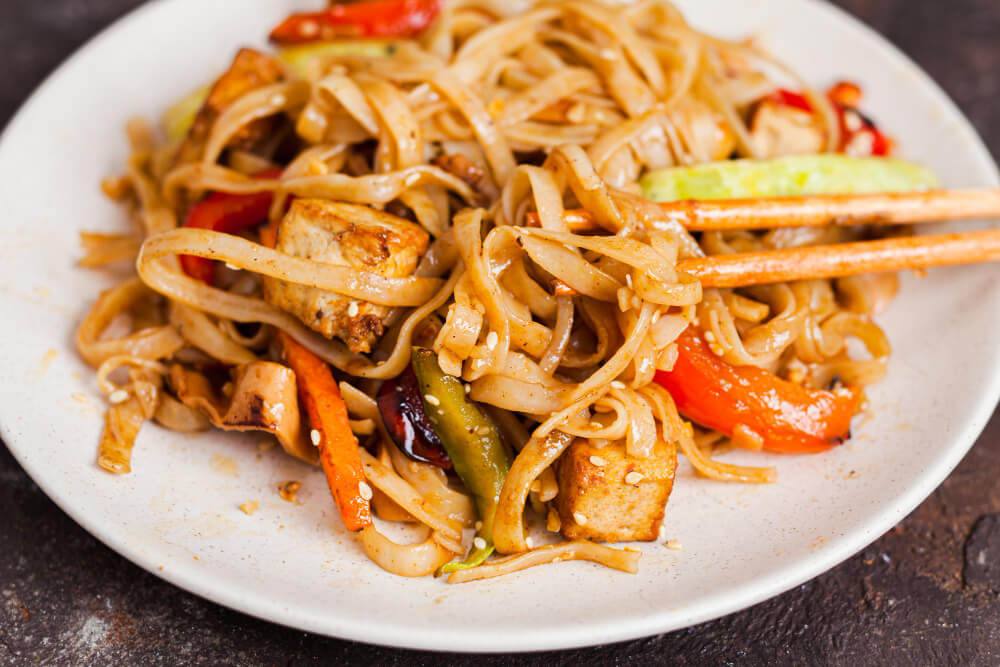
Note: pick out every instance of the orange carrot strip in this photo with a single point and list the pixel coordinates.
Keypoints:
(338, 448)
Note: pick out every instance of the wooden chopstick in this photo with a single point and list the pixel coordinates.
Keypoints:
(814, 211)
(844, 259)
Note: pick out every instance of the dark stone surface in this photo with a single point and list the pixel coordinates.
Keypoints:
(982, 554)
(919, 595)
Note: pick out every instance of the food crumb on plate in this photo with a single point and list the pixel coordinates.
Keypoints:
(289, 490)
(250, 507)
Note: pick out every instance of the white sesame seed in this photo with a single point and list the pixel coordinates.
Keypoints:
(365, 491)
(352, 310)
(479, 543)
(232, 267)
(598, 461)
(628, 280)
(433, 400)
(315, 437)
(492, 339)
(118, 396)
(580, 518)
(309, 28)
(674, 544)
(468, 388)
(633, 478)
(529, 542)
(618, 384)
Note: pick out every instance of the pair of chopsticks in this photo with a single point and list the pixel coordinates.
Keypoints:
(829, 261)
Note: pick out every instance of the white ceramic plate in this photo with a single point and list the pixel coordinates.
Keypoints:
(177, 515)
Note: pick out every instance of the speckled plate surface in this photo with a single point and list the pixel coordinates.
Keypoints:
(177, 515)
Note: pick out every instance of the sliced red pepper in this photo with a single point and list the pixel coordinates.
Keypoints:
(790, 98)
(228, 213)
(372, 18)
(790, 419)
(402, 408)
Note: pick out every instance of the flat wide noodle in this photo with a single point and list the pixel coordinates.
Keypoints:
(626, 560)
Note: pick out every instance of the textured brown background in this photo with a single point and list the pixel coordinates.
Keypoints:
(922, 594)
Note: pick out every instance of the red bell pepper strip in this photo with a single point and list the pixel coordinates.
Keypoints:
(371, 18)
(790, 419)
(790, 98)
(228, 213)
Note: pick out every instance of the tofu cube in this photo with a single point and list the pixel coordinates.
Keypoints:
(344, 235)
(607, 496)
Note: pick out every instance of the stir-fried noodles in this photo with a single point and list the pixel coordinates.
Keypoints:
(366, 249)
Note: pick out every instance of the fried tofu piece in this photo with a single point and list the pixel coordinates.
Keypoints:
(250, 70)
(344, 235)
(607, 496)
(778, 130)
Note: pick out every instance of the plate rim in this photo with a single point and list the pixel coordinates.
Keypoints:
(187, 578)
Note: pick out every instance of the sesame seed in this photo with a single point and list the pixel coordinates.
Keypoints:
(118, 396)
(365, 491)
(529, 542)
(492, 339)
(656, 316)
(432, 400)
(353, 310)
(596, 425)
(709, 336)
(479, 543)
(482, 430)
(317, 167)
(309, 28)
(628, 280)
(580, 518)
(618, 384)
(633, 478)
(314, 435)
(468, 388)
(598, 461)
(674, 545)
(232, 267)
(575, 114)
